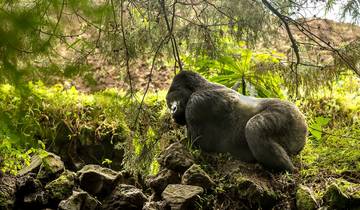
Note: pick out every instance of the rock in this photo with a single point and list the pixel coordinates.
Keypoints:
(29, 192)
(27, 184)
(159, 182)
(61, 187)
(181, 196)
(36, 200)
(125, 177)
(195, 175)
(342, 194)
(159, 205)
(79, 200)
(33, 167)
(255, 191)
(125, 197)
(176, 157)
(7, 192)
(305, 199)
(97, 180)
(51, 167)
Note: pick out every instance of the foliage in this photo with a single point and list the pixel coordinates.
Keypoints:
(334, 125)
(315, 128)
(51, 40)
(252, 72)
(50, 114)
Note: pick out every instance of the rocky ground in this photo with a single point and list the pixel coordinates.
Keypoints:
(183, 182)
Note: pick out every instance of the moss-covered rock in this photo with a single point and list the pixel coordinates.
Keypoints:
(158, 205)
(159, 182)
(97, 180)
(7, 192)
(125, 197)
(30, 193)
(181, 196)
(61, 187)
(51, 167)
(305, 199)
(33, 167)
(342, 194)
(255, 191)
(195, 175)
(176, 157)
(79, 200)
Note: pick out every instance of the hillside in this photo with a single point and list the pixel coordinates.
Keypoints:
(337, 34)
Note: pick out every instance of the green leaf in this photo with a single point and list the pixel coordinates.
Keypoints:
(323, 121)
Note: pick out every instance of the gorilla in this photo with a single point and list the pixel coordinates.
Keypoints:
(219, 119)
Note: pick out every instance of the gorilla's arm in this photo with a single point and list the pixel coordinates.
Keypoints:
(207, 114)
(210, 122)
(207, 106)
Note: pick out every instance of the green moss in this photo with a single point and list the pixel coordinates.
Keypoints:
(255, 190)
(61, 187)
(305, 200)
(332, 148)
(342, 194)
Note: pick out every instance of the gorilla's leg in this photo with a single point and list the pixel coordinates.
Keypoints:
(261, 133)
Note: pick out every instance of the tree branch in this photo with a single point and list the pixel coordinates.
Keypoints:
(170, 29)
(315, 38)
(150, 76)
(294, 45)
(127, 58)
(123, 39)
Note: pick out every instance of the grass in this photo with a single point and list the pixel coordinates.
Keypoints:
(34, 117)
(30, 121)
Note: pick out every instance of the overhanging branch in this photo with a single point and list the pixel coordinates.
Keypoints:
(283, 19)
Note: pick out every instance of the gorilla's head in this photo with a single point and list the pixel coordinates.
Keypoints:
(182, 86)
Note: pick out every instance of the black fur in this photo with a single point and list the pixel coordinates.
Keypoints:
(219, 119)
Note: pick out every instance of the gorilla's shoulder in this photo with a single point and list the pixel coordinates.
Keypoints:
(209, 95)
(222, 98)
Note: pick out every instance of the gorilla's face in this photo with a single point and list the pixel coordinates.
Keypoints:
(176, 102)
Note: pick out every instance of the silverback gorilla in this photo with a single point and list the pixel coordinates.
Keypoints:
(219, 119)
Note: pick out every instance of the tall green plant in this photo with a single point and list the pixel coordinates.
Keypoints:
(250, 72)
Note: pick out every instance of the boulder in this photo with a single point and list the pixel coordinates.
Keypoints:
(97, 180)
(27, 184)
(159, 182)
(125, 197)
(7, 192)
(35, 200)
(30, 192)
(342, 194)
(79, 200)
(158, 205)
(195, 175)
(255, 191)
(176, 157)
(305, 199)
(51, 167)
(181, 196)
(61, 187)
(34, 166)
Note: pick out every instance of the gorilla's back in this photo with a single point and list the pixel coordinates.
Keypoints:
(212, 112)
